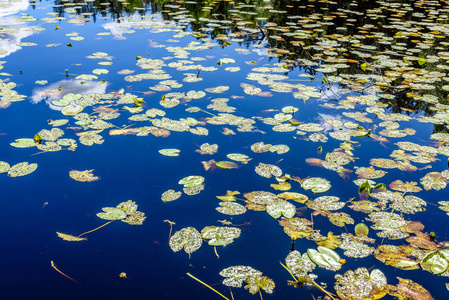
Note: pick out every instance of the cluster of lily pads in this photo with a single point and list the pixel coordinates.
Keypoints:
(126, 212)
(380, 74)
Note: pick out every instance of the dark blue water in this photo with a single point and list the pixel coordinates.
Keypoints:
(36, 206)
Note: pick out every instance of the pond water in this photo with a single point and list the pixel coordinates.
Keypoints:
(145, 145)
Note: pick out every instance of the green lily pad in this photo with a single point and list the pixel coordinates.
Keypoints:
(4, 167)
(187, 238)
(111, 213)
(235, 275)
(220, 236)
(280, 207)
(436, 262)
(226, 165)
(21, 169)
(191, 181)
(129, 207)
(325, 257)
(71, 110)
(238, 157)
(61, 102)
(316, 184)
(231, 208)
(24, 143)
(169, 152)
(170, 195)
(360, 284)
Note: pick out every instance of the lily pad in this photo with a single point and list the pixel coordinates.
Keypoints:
(220, 236)
(280, 207)
(316, 184)
(24, 143)
(71, 110)
(83, 176)
(4, 167)
(170, 195)
(436, 262)
(187, 238)
(231, 208)
(325, 257)
(21, 169)
(191, 181)
(235, 275)
(170, 152)
(226, 165)
(111, 214)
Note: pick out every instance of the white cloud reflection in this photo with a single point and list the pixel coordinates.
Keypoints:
(12, 29)
(51, 93)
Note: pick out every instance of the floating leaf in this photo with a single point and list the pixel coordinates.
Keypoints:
(325, 203)
(332, 241)
(111, 213)
(361, 229)
(231, 208)
(24, 143)
(297, 197)
(226, 165)
(267, 170)
(436, 262)
(325, 257)
(21, 169)
(359, 284)
(255, 283)
(235, 275)
(71, 110)
(220, 236)
(4, 167)
(400, 257)
(169, 152)
(70, 238)
(83, 176)
(316, 184)
(187, 238)
(170, 195)
(408, 289)
(279, 207)
(230, 196)
(191, 181)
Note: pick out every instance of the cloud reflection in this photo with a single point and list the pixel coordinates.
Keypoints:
(51, 92)
(12, 32)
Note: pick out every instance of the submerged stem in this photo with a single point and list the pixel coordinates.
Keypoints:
(215, 250)
(54, 267)
(190, 275)
(95, 228)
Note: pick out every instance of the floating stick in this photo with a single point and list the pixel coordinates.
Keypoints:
(54, 267)
(95, 228)
(190, 275)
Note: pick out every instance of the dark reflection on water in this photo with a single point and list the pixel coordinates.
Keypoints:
(315, 22)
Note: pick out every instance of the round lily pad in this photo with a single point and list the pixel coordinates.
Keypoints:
(111, 213)
(191, 181)
(435, 262)
(71, 110)
(316, 184)
(187, 238)
(4, 167)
